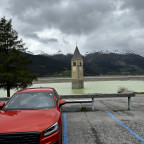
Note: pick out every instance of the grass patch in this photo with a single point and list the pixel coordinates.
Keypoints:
(117, 110)
(139, 92)
(84, 109)
(122, 90)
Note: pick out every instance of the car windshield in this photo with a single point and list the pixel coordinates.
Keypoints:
(31, 100)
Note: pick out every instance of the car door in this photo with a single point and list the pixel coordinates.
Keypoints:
(56, 97)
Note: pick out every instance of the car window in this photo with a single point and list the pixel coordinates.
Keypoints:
(31, 100)
(57, 97)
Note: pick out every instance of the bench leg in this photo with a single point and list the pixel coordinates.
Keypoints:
(129, 103)
(93, 106)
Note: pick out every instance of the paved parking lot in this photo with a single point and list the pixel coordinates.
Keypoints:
(110, 123)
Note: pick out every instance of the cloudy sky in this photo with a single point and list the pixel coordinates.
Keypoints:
(54, 26)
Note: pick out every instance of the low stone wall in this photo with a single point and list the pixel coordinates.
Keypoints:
(96, 78)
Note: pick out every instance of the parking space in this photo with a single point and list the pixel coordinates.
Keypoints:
(101, 126)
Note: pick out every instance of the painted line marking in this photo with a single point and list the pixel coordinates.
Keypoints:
(141, 139)
(65, 130)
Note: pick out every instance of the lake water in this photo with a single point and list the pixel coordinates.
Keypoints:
(90, 87)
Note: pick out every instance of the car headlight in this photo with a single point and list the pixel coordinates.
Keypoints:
(51, 129)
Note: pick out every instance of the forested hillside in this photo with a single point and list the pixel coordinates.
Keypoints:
(94, 64)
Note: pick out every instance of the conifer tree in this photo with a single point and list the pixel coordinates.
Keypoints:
(14, 71)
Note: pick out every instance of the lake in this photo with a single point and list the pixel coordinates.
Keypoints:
(90, 87)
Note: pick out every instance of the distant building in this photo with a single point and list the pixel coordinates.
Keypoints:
(77, 70)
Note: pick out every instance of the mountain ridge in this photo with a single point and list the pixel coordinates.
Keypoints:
(96, 63)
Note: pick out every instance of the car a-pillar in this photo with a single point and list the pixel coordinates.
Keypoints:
(77, 70)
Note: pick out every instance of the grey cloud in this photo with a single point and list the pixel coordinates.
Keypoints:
(136, 8)
(136, 4)
(104, 24)
(77, 17)
(65, 42)
(43, 40)
(50, 40)
(19, 6)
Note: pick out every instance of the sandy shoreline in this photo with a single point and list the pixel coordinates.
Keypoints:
(96, 78)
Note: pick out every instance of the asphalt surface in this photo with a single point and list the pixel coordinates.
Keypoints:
(98, 127)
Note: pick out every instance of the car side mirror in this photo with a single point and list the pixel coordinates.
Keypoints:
(2, 105)
(61, 102)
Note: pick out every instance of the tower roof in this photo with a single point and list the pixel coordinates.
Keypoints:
(77, 55)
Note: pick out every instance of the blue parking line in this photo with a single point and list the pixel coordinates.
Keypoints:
(65, 130)
(141, 139)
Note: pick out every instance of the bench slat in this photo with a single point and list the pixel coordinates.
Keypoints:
(78, 101)
(98, 95)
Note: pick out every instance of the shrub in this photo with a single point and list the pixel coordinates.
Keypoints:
(122, 90)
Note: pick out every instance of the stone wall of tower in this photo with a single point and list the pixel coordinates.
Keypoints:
(77, 74)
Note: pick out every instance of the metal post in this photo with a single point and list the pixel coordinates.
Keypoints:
(129, 103)
(93, 106)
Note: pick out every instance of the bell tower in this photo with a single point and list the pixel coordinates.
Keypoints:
(77, 70)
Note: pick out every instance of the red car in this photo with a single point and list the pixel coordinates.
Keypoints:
(31, 116)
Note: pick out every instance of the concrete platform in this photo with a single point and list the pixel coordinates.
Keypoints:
(98, 127)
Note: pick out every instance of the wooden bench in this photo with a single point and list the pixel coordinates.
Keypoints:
(81, 98)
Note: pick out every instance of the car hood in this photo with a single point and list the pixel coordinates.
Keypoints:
(27, 120)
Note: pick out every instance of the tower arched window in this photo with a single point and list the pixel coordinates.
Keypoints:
(74, 63)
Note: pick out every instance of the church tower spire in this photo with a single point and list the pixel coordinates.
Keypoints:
(77, 70)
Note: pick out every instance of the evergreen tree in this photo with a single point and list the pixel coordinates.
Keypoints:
(14, 71)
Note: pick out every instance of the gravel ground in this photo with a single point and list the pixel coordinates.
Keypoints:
(87, 127)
